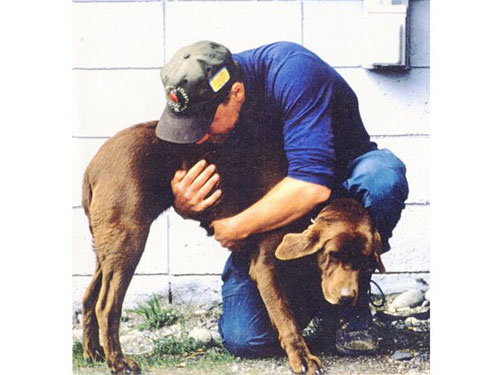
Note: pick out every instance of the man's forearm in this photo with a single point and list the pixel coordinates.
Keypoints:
(285, 203)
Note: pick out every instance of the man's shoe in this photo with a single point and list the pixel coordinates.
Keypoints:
(356, 342)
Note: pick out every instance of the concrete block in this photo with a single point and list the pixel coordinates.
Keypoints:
(191, 251)
(198, 290)
(392, 102)
(154, 259)
(117, 34)
(333, 31)
(141, 289)
(410, 242)
(106, 101)
(419, 33)
(83, 150)
(83, 259)
(79, 285)
(415, 153)
(239, 25)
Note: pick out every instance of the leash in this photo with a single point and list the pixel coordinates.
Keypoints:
(371, 298)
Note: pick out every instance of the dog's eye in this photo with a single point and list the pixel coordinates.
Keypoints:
(361, 263)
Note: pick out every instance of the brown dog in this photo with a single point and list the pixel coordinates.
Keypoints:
(127, 185)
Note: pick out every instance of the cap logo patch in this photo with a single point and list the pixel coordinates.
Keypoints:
(173, 97)
(219, 79)
(177, 98)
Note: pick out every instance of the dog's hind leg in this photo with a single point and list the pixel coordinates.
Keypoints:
(92, 350)
(118, 255)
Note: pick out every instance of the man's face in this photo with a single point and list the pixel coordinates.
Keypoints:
(225, 117)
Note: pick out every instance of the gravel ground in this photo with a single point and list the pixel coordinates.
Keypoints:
(368, 365)
(403, 345)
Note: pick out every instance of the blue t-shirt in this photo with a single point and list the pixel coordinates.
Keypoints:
(308, 104)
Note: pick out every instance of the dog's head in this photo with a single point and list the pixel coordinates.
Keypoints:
(346, 243)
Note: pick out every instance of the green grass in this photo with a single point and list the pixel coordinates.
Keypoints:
(167, 352)
(155, 316)
(174, 351)
(173, 346)
(79, 362)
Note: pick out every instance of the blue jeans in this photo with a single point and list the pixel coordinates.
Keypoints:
(377, 179)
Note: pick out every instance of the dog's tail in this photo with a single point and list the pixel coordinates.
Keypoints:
(86, 193)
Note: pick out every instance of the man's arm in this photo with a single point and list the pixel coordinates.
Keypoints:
(289, 200)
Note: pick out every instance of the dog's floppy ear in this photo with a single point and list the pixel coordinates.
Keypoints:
(377, 251)
(298, 245)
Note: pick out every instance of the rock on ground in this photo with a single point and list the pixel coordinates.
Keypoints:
(201, 334)
(409, 298)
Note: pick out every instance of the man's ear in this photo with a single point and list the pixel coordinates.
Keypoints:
(377, 251)
(298, 245)
(238, 91)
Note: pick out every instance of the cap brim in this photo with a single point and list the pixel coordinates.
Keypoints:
(183, 129)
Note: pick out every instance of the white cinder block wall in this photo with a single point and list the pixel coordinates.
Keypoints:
(119, 49)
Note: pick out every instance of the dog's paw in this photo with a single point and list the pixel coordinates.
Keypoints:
(94, 354)
(125, 366)
(306, 364)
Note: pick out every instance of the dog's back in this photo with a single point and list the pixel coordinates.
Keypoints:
(131, 173)
(132, 168)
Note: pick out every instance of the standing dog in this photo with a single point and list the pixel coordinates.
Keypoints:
(127, 186)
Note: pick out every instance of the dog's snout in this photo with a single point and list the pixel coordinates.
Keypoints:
(347, 296)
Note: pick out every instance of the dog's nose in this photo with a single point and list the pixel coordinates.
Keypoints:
(347, 296)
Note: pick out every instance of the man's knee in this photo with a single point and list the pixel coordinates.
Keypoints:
(378, 180)
(388, 186)
(244, 341)
(381, 176)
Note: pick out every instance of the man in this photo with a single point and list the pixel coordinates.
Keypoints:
(214, 96)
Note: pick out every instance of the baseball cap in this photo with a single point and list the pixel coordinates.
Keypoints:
(197, 79)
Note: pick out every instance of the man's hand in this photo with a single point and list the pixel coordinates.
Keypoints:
(190, 189)
(228, 233)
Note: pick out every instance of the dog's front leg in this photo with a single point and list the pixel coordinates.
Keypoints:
(263, 272)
